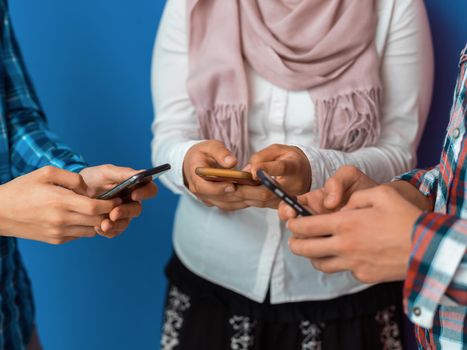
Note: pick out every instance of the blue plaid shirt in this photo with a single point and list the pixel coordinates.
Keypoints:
(26, 144)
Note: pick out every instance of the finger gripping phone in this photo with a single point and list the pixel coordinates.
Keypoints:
(124, 188)
(272, 185)
(227, 175)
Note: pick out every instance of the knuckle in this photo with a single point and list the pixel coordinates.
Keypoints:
(260, 205)
(197, 148)
(56, 220)
(77, 180)
(194, 189)
(56, 233)
(119, 212)
(296, 152)
(344, 246)
(48, 170)
(221, 206)
(298, 250)
(215, 143)
(138, 211)
(255, 158)
(295, 247)
(350, 170)
(276, 147)
(344, 226)
(332, 183)
(206, 203)
(55, 241)
(318, 265)
(93, 208)
(109, 235)
(362, 276)
(55, 204)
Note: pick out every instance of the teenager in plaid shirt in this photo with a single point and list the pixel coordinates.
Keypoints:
(51, 204)
(414, 228)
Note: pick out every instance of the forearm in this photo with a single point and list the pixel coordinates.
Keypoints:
(381, 163)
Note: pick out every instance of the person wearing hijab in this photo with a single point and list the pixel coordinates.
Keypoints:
(297, 88)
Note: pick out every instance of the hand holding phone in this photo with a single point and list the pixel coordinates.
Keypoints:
(274, 187)
(211, 154)
(99, 179)
(227, 175)
(142, 178)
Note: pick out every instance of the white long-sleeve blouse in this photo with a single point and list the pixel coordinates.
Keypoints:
(246, 251)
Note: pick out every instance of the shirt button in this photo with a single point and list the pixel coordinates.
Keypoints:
(456, 133)
(417, 311)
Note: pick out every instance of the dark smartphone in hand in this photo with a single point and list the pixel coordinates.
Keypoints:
(272, 185)
(140, 179)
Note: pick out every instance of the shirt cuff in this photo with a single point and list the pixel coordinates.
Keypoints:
(76, 168)
(424, 180)
(437, 252)
(318, 166)
(174, 179)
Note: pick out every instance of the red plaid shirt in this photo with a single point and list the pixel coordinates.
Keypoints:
(435, 290)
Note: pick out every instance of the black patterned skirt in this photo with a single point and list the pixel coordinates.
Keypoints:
(200, 315)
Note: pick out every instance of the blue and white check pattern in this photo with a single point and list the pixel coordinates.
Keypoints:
(26, 144)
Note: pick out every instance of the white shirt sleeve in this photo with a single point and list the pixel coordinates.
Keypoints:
(407, 75)
(175, 129)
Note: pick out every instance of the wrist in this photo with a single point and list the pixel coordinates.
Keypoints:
(412, 194)
(308, 173)
(5, 217)
(186, 153)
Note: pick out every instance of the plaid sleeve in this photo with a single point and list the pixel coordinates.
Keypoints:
(437, 267)
(32, 145)
(426, 180)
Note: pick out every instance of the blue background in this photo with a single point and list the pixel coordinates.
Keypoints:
(90, 60)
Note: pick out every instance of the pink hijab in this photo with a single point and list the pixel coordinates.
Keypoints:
(324, 46)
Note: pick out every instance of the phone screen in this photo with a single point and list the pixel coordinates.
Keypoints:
(273, 186)
(141, 178)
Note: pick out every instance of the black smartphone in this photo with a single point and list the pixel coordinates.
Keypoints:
(124, 188)
(272, 185)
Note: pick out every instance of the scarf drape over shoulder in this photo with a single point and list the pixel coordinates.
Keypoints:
(323, 46)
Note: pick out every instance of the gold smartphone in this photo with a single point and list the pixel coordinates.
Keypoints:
(227, 175)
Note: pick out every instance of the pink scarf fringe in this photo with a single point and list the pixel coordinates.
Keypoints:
(347, 123)
(227, 123)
